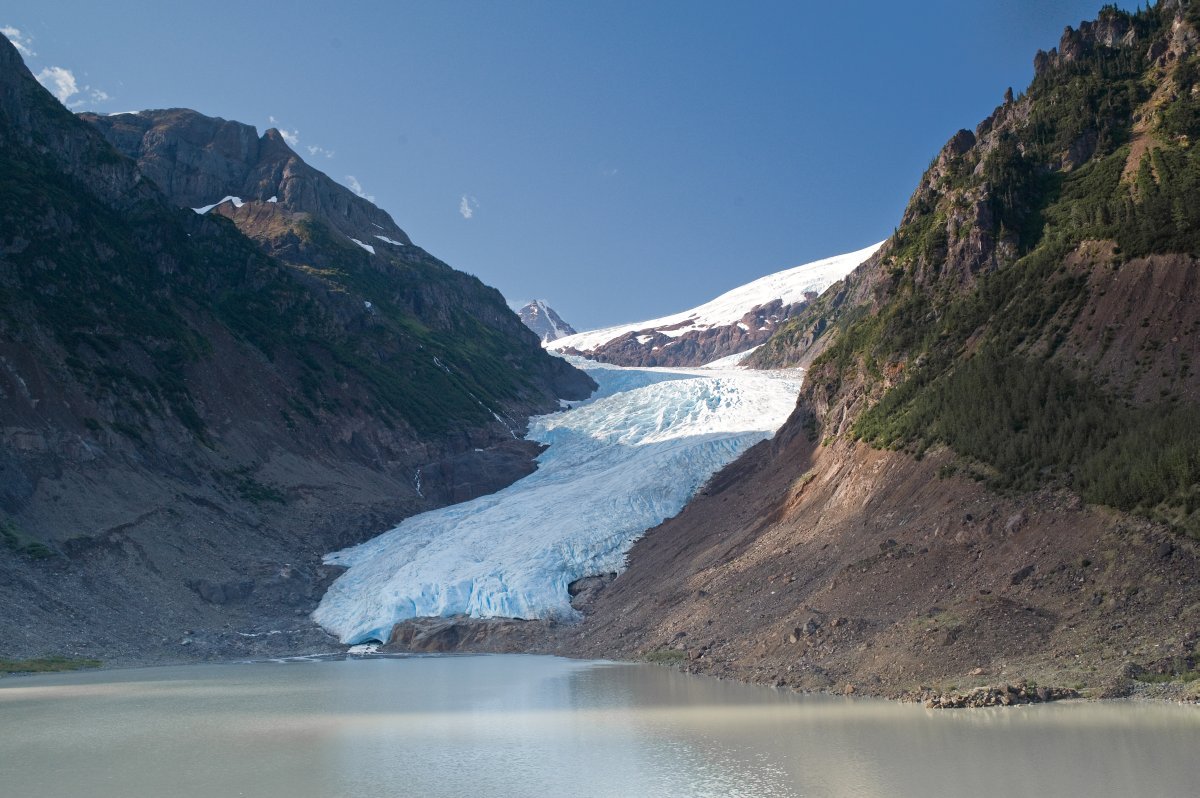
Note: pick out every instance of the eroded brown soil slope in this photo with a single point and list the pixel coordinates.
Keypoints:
(822, 568)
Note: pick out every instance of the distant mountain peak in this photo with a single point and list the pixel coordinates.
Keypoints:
(543, 320)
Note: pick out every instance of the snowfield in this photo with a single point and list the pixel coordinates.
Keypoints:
(789, 285)
(237, 203)
(617, 465)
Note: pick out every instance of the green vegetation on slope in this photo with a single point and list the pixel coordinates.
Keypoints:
(457, 367)
(1029, 421)
(124, 294)
(47, 665)
(91, 292)
(973, 367)
(18, 543)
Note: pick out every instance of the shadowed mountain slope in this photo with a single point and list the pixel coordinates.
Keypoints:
(195, 407)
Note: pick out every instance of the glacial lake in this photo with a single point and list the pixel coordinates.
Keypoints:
(493, 726)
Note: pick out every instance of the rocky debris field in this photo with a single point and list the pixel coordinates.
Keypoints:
(1002, 695)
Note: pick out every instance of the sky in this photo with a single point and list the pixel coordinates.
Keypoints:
(621, 160)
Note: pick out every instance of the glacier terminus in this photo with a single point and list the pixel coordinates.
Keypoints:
(616, 465)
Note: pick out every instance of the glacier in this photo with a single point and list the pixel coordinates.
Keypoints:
(616, 465)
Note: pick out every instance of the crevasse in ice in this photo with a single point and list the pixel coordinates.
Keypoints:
(616, 466)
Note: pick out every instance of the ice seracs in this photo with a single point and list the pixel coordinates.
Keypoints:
(615, 466)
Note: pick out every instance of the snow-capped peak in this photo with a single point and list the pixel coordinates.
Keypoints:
(789, 287)
(541, 318)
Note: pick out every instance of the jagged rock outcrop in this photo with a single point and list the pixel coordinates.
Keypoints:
(197, 160)
(1113, 29)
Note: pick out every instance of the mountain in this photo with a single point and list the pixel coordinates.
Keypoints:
(196, 406)
(545, 323)
(349, 253)
(993, 470)
(734, 322)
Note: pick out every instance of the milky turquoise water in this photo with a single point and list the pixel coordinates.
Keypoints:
(491, 726)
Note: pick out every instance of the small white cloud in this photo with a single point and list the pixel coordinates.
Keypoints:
(59, 82)
(357, 188)
(292, 137)
(467, 206)
(24, 44)
(610, 171)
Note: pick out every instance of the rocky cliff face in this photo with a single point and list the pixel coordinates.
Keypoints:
(190, 414)
(197, 160)
(544, 321)
(991, 472)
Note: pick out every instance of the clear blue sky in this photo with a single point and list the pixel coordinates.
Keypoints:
(621, 160)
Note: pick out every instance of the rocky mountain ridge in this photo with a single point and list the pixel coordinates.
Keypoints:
(351, 253)
(198, 160)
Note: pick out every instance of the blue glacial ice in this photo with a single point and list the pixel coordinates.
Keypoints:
(617, 465)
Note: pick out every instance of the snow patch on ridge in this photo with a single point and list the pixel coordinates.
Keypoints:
(617, 465)
(237, 203)
(789, 285)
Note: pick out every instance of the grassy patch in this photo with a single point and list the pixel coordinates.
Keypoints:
(47, 664)
(1185, 676)
(249, 488)
(666, 656)
(16, 541)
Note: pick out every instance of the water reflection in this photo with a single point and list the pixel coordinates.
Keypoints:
(531, 726)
